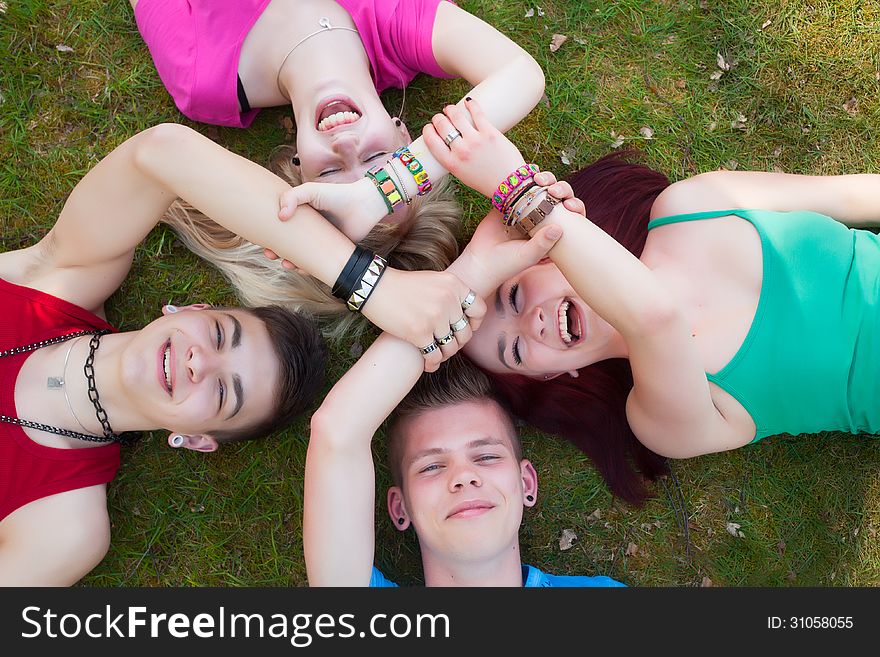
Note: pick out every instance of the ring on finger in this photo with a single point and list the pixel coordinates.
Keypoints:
(459, 325)
(446, 339)
(451, 137)
(431, 348)
(469, 300)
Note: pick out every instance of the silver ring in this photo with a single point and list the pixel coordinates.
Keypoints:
(446, 339)
(451, 137)
(469, 300)
(429, 349)
(459, 325)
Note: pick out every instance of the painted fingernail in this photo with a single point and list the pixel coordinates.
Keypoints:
(468, 98)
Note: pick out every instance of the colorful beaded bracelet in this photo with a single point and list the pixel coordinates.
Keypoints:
(386, 186)
(511, 182)
(415, 168)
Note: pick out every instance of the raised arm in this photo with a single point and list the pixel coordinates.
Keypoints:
(85, 257)
(853, 200)
(340, 486)
(670, 408)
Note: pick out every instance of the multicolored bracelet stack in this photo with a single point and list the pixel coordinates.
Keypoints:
(517, 193)
(389, 183)
(512, 188)
(359, 278)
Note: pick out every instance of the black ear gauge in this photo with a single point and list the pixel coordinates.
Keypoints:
(400, 521)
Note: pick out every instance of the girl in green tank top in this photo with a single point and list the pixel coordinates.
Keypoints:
(737, 323)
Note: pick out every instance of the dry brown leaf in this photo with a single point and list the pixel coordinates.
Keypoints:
(733, 529)
(805, 130)
(669, 40)
(739, 123)
(766, 23)
(62, 48)
(646, 132)
(777, 151)
(706, 582)
(721, 62)
(680, 83)
(556, 41)
(3, 7)
(632, 549)
(711, 127)
(704, 4)
(545, 101)
(287, 123)
(567, 539)
(565, 156)
(595, 515)
(780, 548)
(851, 106)
(618, 140)
(716, 75)
(530, 13)
(731, 165)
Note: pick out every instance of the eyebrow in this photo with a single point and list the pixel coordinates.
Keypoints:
(236, 379)
(474, 444)
(499, 304)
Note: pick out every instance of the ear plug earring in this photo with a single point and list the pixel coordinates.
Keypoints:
(177, 440)
(396, 121)
(530, 498)
(400, 521)
(170, 308)
(295, 160)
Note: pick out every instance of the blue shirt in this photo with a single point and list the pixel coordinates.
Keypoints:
(532, 577)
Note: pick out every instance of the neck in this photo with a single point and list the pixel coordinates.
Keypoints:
(503, 569)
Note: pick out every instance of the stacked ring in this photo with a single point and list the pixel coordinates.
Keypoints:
(459, 325)
(446, 339)
(469, 300)
(431, 348)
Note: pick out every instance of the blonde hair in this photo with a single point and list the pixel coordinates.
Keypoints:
(428, 240)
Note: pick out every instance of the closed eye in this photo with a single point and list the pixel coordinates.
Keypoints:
(219, 334)
(222, 394)
(511, 296)
(377, 155)
(517, 357)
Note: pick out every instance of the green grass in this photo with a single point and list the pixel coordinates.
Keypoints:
(808, 508)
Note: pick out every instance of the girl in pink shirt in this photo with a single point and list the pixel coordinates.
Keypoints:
(222, 60)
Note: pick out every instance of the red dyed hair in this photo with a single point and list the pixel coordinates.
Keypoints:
(590, 410)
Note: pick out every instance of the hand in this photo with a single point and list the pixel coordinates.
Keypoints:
(354, 208)
(482, 157)
(422, 306)
(491, 258)
(562, 191)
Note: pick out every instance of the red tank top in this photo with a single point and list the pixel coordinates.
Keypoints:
(29, 471)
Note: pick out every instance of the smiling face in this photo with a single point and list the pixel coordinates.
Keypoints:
(339, 138)
(463, 485)
(537, 325)
(199, 371)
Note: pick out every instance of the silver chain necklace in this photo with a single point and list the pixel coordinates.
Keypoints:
(89, 370)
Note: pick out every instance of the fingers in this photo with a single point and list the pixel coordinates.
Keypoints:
(459, 118)
(480, 121)
(437, 146)
(475, 314)
(432, 355)
(444, 128)
(540, 244)
(270, 254)
(545, 178)
(291, 199)
(575, 205)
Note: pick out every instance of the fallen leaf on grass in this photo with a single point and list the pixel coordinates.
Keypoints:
(680, 83)
(545, 101)
(567, 539)
(766, 23)
(595, 515)
(646, 132)
(777, 151)
(618, 140)
(530, 13)
(780, 548)
(356, 349)
(62, 48)
(668, 41)
(851, 106)
(733, 529)
(2, 7)
(731, 165)
(556, 41)
(716, 75)
(565, 156)
(739, 123)
(721, 62)
(706, 582)
(632, 549)
(287, 123)
(711, 127)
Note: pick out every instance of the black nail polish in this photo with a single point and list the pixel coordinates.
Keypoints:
(468, 98)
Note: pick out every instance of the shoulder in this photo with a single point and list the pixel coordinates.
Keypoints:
(533, 577)
(700, 193)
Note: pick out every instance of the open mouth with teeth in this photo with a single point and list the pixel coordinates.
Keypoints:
(336, 112)
(166, 365)
(570, 323)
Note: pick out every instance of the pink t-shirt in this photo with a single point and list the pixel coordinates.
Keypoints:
(196, 46)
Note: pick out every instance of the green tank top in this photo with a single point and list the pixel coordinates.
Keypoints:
(809, 362)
